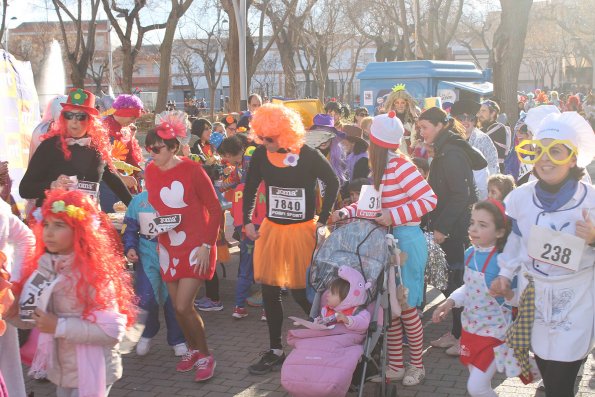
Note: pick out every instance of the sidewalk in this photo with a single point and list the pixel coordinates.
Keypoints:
(238, 343)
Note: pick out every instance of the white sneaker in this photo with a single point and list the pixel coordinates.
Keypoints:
(180, 349)
(446, 340)
(454, 350)
(143, 346)
(414, 375)
(391, 375)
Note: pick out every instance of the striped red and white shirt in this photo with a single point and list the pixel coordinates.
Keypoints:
(405, 193)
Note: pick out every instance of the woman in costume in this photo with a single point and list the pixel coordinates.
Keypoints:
(403, 104)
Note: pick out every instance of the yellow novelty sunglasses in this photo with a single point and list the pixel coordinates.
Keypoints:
(531, 151)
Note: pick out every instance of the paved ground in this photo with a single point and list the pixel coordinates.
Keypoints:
(237, 343)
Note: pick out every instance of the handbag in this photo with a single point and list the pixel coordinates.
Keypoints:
(436, 266)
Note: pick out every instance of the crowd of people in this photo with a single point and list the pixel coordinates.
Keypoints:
(509, 206)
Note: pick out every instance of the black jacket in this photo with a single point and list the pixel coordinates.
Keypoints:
(451, 178)
(48, 163)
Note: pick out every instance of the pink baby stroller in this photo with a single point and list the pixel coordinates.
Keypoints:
(328, 362)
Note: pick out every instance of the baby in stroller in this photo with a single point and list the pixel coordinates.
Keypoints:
(323, 360)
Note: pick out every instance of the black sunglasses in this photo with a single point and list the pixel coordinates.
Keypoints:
(266, 138)
(154, 149)
(78, 116)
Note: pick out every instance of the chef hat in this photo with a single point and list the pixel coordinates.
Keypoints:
(573, 127)
(537, 114)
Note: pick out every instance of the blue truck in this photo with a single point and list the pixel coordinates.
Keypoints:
(448, 80)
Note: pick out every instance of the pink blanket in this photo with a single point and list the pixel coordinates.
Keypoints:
(322, 361)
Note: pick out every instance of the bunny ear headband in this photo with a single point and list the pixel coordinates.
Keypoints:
(172, 124)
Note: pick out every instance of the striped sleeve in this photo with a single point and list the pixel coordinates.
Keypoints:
(406, 193)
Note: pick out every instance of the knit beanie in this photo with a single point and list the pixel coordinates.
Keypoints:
(387, 130)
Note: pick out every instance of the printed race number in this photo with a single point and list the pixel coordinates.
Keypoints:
(369, 203)
(287, 203)
(556, 248)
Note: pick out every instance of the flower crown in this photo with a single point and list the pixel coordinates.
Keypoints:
(399, 87)
(71, 210)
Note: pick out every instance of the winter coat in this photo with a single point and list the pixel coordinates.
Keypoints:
(451, 178)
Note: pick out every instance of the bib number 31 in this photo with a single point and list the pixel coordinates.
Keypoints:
(556, 248)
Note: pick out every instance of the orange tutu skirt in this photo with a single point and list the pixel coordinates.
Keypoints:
(283, 253)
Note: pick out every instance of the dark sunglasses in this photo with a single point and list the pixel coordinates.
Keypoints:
(465, 117)
(266, 138)
(154, 149)
(78, 116)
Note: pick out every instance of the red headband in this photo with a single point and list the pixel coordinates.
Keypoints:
(128, 112)
(500, 207)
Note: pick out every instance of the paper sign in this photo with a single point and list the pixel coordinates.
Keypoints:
(147, 224)
(36, 294)
(368, 98)
(556, 248)
(369, 203)
(287, 203)
(90, 188)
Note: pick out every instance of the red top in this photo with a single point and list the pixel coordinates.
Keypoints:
(186, 190)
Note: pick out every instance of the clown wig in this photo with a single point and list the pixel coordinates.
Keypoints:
(102, 283)
(279, 122)
(95, 131)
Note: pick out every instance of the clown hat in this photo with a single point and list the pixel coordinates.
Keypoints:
(79, 99)
(387, 130)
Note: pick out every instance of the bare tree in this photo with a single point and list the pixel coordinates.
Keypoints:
(289, 34)
(207, 42)
(178, 8)
(132, 28)
(96, 72)
(78, 37)
(324, 37)
(187, 64)
(509, 44)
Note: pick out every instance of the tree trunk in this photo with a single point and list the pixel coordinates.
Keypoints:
(286, 53)
(127, 70)
(509, 44)
(232, 53)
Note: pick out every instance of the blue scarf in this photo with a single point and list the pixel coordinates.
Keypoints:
(553, 198)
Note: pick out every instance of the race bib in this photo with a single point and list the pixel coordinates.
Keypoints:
(369, 203)
(556, 248)
(163, 224)
(90, 188)
(32, 296)
(287, 203)
(147, 224)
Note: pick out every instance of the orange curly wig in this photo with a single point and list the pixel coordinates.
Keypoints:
(280, 122)
(103, 282)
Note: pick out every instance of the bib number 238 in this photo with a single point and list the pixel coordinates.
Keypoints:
(556, 248)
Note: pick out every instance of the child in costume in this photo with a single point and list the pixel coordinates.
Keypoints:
(499, 186)
(485, 319)
(238, 153)
(404, 197)
(77, 294)
(344, 297)
(140, 247)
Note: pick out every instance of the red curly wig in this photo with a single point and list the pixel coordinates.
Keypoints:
(103, 282)
(95, 130)
(280, 122)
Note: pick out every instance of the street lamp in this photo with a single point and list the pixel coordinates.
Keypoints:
(221, 96)
(240, 11)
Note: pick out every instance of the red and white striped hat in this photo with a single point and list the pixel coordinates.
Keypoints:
(387, 130)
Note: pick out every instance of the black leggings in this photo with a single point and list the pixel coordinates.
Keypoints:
(271, 300)
(558, 377)
(212, 288)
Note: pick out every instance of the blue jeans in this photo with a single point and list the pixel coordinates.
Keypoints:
(148, 302)
(245, 268)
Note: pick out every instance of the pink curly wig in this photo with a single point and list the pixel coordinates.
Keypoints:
(103, 282)
(95, 130)
(280, 122)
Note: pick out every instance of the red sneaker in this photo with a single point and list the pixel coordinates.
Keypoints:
(188, 361)
(205, 368)
(239, 312)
